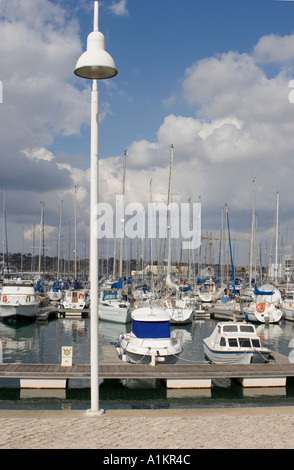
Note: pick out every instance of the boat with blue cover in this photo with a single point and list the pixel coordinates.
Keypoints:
(150, 340)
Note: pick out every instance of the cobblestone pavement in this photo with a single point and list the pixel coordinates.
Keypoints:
(234, 428)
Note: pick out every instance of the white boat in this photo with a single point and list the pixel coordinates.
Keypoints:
(261, 311)
(265, 306)
(18, 300)
(207, 292)
(112, 309)
(287, 306)
(150, 341)
(234, 343)
(75, 300)
(181, 311)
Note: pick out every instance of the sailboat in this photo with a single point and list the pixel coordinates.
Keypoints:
(113, 307)
(264, 305)
(181, 310)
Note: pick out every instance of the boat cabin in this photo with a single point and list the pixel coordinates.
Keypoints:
(150, 325)
(238, 336)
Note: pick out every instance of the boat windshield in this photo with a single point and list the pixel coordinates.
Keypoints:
(149, 329)
(247, 328)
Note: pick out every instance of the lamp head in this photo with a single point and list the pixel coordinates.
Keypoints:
(95, 63)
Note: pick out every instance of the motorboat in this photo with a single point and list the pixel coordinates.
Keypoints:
(235, 342)
(75, 300)
(113, 309)
(18, 300)
(150, 340)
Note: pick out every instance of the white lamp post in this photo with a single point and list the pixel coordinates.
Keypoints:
(95, 64)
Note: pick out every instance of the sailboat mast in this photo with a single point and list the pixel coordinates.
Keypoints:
(252, 244)
(122, 221)
(59, 239)
(169, 205)
(277, 238)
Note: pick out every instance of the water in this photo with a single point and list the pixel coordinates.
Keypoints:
(40, 342)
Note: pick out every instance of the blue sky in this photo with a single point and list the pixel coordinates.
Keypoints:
(154, 42)
(209, 76)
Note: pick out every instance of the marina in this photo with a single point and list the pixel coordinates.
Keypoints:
(33, 351)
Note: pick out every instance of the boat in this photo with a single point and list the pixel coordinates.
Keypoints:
(18, 300)
(287, 305)
(112, 309)
(180, 310)
(150, 340)
(235, 342)
(207, 291)
(57, 290)
(76, 299)
(265, 306)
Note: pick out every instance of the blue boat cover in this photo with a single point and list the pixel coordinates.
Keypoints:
(118, 284)
(259, 292)
(149, 329)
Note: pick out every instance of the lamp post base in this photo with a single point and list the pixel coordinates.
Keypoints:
(95, 412)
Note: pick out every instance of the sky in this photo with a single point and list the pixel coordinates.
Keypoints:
(210, 77)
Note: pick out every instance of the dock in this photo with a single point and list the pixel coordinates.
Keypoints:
(46, 313)
(177, 375)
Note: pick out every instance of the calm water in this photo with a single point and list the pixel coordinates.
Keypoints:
(41, 343)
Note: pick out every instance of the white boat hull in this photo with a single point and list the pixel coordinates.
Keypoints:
(19, 311)
(114, 314)
(180, 316)
(143, 351)
(257, 313)
(233, 357)
(288, 313)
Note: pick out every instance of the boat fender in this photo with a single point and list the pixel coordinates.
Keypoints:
(28, 298)
(260, 307)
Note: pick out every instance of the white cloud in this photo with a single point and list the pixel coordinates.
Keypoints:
(274, 49)
(119, 8)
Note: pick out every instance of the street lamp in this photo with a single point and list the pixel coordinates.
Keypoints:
(95, 64)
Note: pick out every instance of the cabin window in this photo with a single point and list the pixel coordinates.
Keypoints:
(231, 328)
(222, 341)
(255, 343)
(233, 343)
(244, 343)
(247, 328)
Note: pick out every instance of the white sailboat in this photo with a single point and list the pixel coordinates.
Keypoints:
(181, 310)
(264, 306)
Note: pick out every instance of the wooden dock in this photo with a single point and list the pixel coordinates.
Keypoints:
(111, 367)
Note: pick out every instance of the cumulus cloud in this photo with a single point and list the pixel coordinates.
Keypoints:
(119, 8)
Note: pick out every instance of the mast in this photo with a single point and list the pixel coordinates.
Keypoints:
(169, 202)
(75, 237)
(59, 239)
(42, 241)
(252, 244)
(277, 238)
(122, 220)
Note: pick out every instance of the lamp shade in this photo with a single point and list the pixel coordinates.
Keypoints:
(95, 63)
